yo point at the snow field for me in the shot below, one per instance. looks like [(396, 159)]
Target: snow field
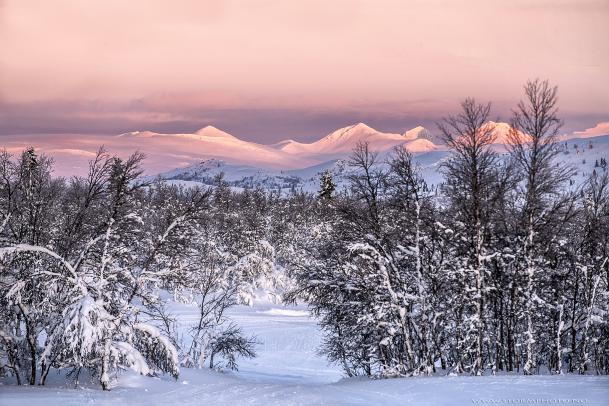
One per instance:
[(288, 371)]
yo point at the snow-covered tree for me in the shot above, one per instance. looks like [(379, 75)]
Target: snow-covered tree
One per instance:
[(84, 265), (534, 147), (326, 185), (471, 184)]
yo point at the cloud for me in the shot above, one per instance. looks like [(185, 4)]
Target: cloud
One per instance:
[(172, 113), (267, 70), (71, 151), (274, 54), (597, 130)]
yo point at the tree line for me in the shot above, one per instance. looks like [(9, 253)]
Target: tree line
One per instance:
[(505, 269)]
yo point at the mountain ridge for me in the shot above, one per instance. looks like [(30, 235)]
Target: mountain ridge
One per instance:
[(210, 142)]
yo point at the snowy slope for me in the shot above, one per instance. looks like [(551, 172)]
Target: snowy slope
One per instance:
[(584, 153), (289, 372), (305, 179), (238, 176)]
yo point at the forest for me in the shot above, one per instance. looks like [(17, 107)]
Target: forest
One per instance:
[(503, 268)]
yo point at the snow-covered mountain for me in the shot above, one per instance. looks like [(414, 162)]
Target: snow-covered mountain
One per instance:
[(423, 133), (584, 154), (212, 143), (343, 140), (291, 165), (502, 131), (286, 165)]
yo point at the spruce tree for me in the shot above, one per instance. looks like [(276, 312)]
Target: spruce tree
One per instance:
[(326, 185)]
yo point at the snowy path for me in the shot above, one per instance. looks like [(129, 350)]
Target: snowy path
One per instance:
[(287, 351), (288, 372)]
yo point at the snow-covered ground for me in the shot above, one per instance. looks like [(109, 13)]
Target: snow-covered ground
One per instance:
[(288, 371)]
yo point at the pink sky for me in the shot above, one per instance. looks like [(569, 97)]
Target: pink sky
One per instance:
[(267, 70)]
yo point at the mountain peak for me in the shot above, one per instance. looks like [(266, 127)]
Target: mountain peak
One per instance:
[(498, 124), (211, 131), (362, 126), (502, 132), (348, 132), (417, 132)]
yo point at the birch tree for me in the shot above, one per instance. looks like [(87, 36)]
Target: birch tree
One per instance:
[(533, 146)]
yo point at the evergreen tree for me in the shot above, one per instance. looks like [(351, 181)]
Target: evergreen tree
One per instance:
[(326, 185)]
